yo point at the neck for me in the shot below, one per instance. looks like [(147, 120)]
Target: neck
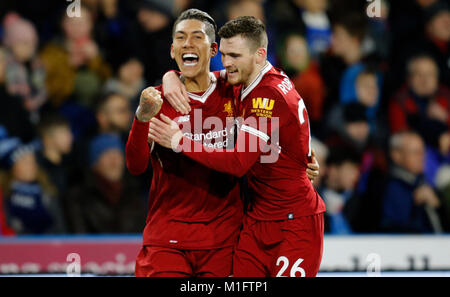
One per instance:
[(254, 73), (198, 83)]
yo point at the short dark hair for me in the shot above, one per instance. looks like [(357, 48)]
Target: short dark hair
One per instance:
[(50, 121), (104, 99), (354, 23), (354, 112), (197, 14), (248, 27), (341, 154), (420, 56)]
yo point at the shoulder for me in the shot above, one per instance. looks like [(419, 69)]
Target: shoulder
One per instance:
[(274, 86), (268, 88), (278, 81), (265, 95)]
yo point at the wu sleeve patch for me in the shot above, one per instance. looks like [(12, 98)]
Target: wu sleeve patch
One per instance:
[(262, 107)]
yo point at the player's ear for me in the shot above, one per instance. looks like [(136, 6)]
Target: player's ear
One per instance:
[(261, 55), (214, 48), (172, 54)]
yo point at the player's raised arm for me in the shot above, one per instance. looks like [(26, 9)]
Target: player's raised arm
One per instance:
[(137, 149), (235, 161), (175, 92)]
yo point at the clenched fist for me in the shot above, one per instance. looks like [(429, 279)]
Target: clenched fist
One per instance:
[(149, 104)]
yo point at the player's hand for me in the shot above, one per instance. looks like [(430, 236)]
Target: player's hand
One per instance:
[(313, 168), (165, 132), (149, 104), (175, 92)]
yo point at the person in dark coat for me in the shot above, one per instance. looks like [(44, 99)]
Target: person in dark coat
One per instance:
[(410, 205), (108, 200)]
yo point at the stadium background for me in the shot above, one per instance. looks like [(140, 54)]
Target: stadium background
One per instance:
[(70, 78)]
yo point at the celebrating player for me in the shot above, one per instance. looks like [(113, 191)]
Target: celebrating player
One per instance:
[(282, 233), (195, 213)]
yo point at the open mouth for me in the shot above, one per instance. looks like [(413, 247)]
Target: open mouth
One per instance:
[(190, 59), (231, 72)]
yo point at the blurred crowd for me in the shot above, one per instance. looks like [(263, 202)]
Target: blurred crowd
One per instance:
[(374, 75)]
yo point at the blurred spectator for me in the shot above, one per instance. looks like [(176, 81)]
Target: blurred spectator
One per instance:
[(111, 31), (406, 19), (236, 8), (410, 205), (437, 37), (442, 182), (287, 15), (421, 26), (56, 139), (437, 156), (340, 68), (304, 72), (151, 37), (45, 15), (349, 127), (352, 131), (113, 115), (367, 90), (31, 202), (422, 105), (108, 201), (317, 25), (129, 82), (75, 67), (339, 191), (347, 36), (24, 71), (13, 115)]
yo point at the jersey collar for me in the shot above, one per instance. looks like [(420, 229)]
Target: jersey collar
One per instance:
[(256, 81), (208, 92)]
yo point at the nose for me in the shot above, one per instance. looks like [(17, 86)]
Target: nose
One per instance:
[(226, 61), (187, 42)]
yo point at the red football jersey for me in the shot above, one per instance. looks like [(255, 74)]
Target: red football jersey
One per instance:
[(190, 206), (273, 148)]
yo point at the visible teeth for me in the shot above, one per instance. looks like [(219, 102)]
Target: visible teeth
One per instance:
[(189, 63), (187, 56)]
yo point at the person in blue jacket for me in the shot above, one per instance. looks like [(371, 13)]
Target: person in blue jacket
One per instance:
[(410, 205)]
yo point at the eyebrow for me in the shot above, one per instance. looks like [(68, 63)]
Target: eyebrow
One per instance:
[(193, 32), (233, 54)]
